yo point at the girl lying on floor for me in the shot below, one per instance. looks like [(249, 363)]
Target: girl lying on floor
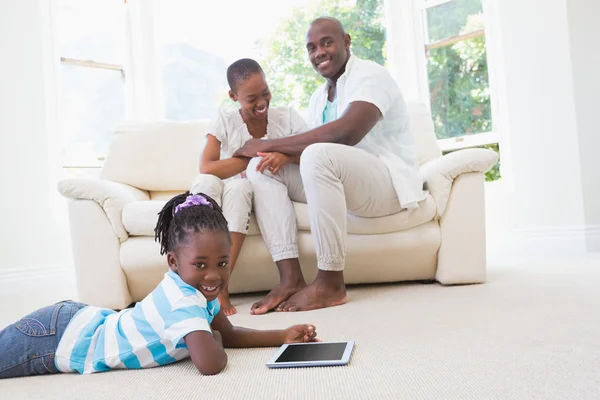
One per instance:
[(180, 317)]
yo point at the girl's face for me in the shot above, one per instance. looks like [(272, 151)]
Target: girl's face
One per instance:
[(254, 96), (203, 262)]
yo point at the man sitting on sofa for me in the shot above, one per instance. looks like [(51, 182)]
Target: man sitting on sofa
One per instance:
[(360, 159)]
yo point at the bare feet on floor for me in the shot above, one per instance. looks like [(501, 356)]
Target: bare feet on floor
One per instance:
[(280, 293), (319, 294), (225, 304)]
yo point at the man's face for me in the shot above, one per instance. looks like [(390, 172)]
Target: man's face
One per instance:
[(328, 48)]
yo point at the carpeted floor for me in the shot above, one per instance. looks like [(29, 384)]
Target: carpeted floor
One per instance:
[(531, 332)]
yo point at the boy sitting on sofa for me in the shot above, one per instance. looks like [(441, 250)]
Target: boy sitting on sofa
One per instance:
[(222, 175)]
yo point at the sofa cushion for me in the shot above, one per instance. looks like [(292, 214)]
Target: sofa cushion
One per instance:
[(155, 155), (139, 219)]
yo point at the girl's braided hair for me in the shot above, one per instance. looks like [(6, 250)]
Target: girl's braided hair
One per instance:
[(185, 214)]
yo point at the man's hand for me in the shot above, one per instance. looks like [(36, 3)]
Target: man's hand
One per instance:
[(272, 161), (250, 148), (300, 334)]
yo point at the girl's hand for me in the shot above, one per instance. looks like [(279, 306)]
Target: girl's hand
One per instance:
[(272, 161), (300, 334)]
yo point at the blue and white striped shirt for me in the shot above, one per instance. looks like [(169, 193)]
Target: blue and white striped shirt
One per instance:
[(150, 334)]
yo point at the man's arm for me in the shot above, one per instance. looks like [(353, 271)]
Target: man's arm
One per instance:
[(358, 119)]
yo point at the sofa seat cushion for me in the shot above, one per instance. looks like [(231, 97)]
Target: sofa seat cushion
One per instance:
[(140, 217)]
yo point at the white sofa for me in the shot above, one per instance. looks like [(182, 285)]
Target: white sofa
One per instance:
[(112, 218)]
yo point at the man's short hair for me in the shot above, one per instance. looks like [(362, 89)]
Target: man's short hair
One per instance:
[(241, 70)]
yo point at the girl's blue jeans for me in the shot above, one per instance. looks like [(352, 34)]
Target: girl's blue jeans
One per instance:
[(27, 347)]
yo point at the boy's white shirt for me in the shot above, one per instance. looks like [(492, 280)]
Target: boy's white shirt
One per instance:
[(390, 139), (230, 129)]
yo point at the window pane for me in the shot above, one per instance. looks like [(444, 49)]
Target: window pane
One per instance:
[(454, 18), (196, 49), (459, 89), (92, 103), (90, 35)]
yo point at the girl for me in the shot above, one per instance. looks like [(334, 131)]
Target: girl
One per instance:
[(220, 172), (180, 317)]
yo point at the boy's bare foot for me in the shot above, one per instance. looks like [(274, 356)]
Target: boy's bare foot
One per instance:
[(280, 293), (225, 304), (327, 290)]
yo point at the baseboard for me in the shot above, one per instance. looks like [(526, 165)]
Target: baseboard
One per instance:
[(44, 274), (553, 240)]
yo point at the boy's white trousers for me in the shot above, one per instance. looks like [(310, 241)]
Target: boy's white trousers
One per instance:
[(333, 180)]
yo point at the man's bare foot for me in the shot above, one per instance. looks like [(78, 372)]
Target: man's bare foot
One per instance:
[(225, 304), (327, 290), (280, 293)]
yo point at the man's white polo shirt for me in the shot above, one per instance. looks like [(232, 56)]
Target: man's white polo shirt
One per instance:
[(390, 139)]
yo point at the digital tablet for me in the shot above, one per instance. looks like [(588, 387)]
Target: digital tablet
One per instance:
[(314, 354)]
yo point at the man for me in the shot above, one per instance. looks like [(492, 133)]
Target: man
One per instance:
[(359, 158)]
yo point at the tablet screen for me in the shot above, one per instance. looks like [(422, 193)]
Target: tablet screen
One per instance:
[(312, 352)]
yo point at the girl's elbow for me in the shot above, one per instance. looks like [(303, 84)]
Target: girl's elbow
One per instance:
[(212, 368), (205, 169)]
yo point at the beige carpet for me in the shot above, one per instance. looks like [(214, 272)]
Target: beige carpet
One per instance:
[(531, 332)]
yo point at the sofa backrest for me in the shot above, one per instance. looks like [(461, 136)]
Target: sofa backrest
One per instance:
[(423, 132), (164, 156), (155, 156)]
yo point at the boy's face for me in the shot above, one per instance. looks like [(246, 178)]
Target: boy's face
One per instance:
[(254, 96), (328, 48), (203, 262)]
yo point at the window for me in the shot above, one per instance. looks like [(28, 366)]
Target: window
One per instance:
[(457, 67), (89, 41), (457, 73), (167, 59), (194, 47)]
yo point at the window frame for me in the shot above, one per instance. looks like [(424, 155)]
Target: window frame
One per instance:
[(417, 8), (51, 11)]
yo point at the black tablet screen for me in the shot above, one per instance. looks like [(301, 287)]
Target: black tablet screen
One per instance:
[(312, 352)]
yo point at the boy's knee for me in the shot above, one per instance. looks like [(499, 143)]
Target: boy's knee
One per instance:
[(239, 187), (251, 172), (207, 184)]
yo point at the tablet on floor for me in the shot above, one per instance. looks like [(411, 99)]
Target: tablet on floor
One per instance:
[(314, 354)]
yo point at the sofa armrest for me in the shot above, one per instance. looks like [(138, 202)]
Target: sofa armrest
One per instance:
[(439, 174), (111, 196)]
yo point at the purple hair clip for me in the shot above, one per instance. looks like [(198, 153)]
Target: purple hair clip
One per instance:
[(193, 200)]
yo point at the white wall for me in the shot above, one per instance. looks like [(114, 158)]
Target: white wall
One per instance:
[(32, 231), (544, 78), (584, 29), (549, 92), (540, 114)]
